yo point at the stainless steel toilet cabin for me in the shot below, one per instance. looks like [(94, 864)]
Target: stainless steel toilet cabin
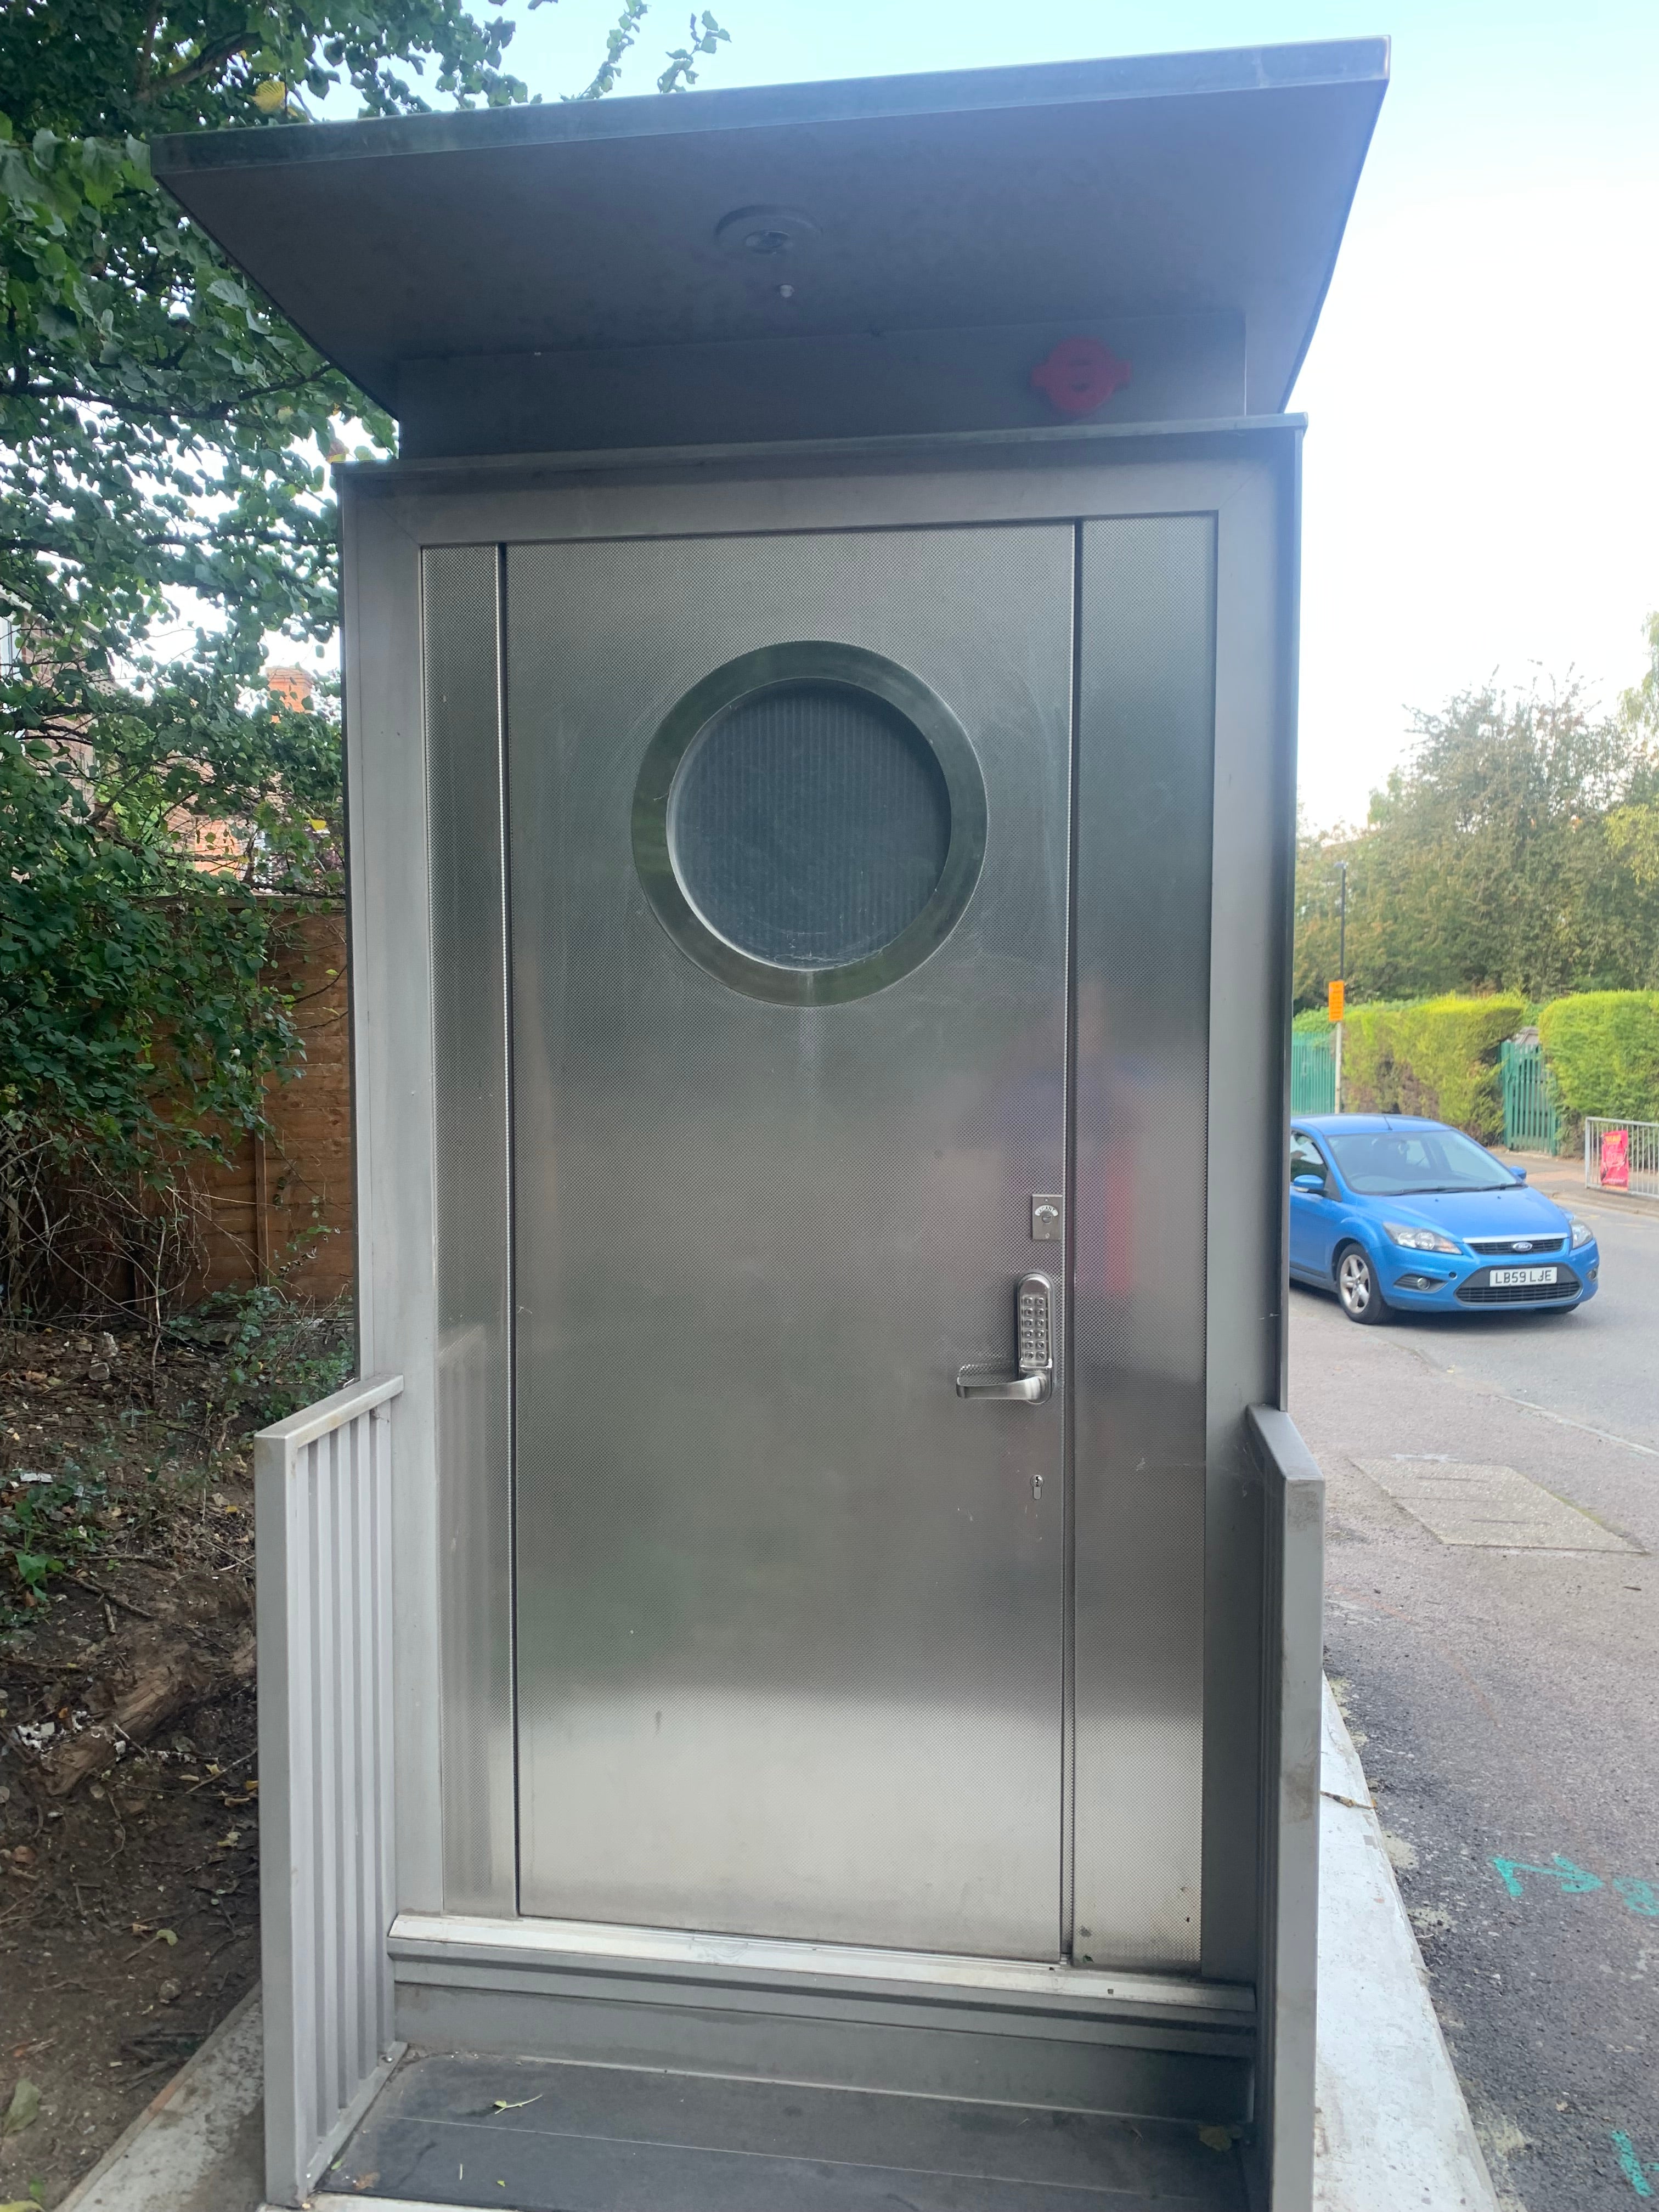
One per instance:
[(816, 1588)]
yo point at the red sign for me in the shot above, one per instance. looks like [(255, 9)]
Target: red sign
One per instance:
[(1615, 1159), (1080, 375)]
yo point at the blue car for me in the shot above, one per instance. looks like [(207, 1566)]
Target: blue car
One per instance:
[(1400, 1215)]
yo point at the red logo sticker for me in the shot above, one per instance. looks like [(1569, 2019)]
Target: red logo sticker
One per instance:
[(1080, 375)]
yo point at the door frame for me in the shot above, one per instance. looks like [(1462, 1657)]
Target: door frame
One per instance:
[(452, 1528)]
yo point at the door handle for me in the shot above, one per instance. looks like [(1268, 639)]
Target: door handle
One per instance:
[(1033, 1381)]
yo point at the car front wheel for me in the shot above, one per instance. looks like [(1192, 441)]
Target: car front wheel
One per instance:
[(1358, 1288)]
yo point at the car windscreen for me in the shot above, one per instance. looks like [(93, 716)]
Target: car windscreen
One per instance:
[(1394, 1163)]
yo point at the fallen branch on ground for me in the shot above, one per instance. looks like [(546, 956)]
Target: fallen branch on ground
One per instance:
[(161, 1678)]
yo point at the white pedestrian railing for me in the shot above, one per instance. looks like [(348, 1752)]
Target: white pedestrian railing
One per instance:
[(322, 1509), (1622, 1156)]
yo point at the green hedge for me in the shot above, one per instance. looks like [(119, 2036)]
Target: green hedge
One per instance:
[(1602, 1048), (1436, 1056)]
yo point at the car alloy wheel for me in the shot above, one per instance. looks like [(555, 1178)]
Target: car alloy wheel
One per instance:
[(1356, 1287)]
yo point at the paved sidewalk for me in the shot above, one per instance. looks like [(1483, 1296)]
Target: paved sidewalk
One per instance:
[(1563, 1180), (1393, 2133)]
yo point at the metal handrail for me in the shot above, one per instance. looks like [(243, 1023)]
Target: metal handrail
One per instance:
[(332, 1413)]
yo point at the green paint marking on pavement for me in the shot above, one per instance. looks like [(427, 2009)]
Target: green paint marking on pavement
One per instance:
[(1636, 1896), (1574, 1880), (1634, 2172)]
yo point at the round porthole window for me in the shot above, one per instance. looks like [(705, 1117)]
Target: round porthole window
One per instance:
[(808, 823)]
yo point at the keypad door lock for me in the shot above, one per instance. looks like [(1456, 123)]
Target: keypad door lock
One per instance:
[(1033, 1380)]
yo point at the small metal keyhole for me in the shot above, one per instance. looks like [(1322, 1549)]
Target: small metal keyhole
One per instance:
[(1036, 1486)]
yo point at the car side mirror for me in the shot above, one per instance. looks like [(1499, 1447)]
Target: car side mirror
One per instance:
[(1313, 1184), (1520, 1174)]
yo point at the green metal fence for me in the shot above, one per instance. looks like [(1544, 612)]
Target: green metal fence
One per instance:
[(1313, 1074), (1529, 1118)]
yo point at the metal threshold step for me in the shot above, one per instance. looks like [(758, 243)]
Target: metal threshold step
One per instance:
[(546, 2135)]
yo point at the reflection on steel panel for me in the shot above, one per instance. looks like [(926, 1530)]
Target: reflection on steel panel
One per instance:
[(1146, 728), (790, 1613), (461, 613)]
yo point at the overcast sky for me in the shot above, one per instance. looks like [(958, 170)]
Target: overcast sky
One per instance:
[(1483, 451)]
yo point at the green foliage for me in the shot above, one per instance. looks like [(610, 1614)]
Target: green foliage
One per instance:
[(1602, 1048), (271, 1356), (1439, 1057), (705, 35), (125, 976), (1634, 836), (47, 1528), (136, 1023), (164, 507), (1517, 850)]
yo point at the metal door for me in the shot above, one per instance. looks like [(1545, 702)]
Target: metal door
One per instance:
[(790, 1611)]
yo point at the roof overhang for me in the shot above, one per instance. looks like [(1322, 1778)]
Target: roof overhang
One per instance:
[(1176, 186)]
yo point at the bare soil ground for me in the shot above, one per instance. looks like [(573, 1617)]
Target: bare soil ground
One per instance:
[(129, 1796)]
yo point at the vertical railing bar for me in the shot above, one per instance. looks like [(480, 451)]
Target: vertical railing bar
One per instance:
[(381, 1430), (301, 1842), (345, 1962), (370, 1932), (348, 1781), (365, 1935), (371, 1927), (325, 1536)]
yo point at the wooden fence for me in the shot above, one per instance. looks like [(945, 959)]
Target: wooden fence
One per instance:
[(281, 1206)]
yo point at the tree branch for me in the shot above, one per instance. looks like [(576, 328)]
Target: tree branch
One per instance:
[(210, 58), (146, 50)]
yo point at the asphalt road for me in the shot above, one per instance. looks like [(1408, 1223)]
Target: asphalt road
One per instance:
[(1506, 1702)]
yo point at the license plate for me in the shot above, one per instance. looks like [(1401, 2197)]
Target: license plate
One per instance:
[(1508, 1278)]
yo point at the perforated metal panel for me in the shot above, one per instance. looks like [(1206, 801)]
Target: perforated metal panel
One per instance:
[(790, 1613), (809, 825)]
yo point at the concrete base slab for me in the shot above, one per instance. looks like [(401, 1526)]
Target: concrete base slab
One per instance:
[(1393, 2133)]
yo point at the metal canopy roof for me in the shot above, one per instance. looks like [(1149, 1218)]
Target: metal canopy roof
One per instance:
[(1171, 185)]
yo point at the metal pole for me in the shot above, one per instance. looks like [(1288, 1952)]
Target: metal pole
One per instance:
[(1342, 926), (1342, 971)]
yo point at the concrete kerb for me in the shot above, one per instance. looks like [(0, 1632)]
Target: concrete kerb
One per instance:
[(198, 2145), (1392, 2128), (1393, 2133)]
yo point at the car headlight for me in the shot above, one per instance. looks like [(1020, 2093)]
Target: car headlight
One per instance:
[(1420, 1240), (1582, 1234)]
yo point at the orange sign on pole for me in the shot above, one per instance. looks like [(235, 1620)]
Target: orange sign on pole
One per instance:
[(1335, 1008)]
